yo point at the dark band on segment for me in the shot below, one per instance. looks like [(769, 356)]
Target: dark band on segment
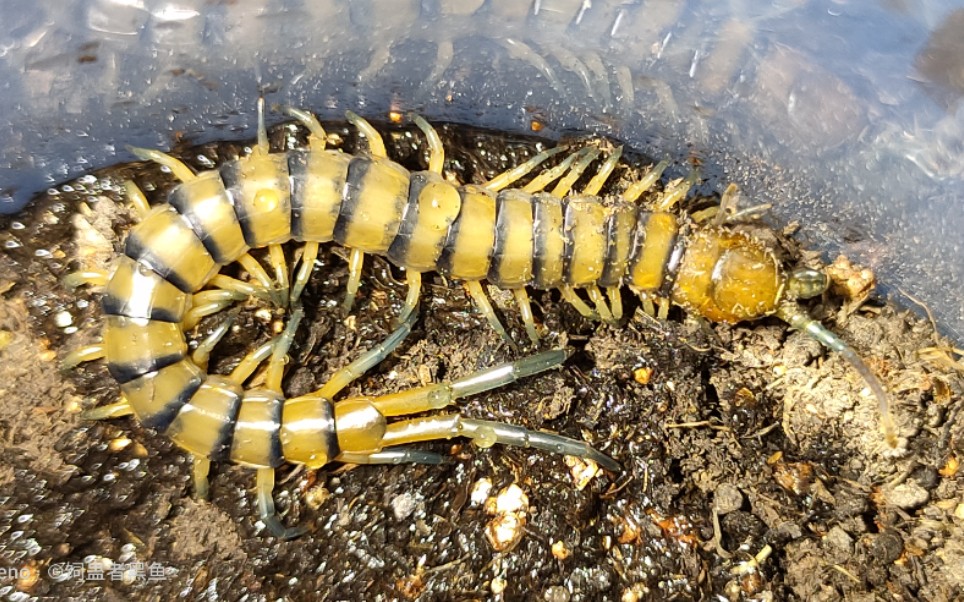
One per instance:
[(398, 251), (157, 397), (620, 234)]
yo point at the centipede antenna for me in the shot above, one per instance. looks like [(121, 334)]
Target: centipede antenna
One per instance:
[(794, 315)]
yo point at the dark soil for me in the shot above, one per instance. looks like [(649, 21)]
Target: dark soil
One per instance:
[(752, 463)]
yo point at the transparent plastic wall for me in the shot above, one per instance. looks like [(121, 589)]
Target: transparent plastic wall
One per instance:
[(846, 115)]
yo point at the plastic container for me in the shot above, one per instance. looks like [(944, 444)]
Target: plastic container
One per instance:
[(846, 116)]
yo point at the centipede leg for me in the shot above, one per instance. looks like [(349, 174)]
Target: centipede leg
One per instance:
[(279, 353), (525, 308), (564, 186), (207, 303), (481, 300), (247, 289), (202, 355), (177, 168), (550, 175), (615, 301), (393, 456), (200, 470), (596, 296), (280, 264), (436, 158), (355, 263), (637, 189), (308, 257), (605, 170), (318, 138), (250, 362), (663, 305), (86, 277), (508, 177), (136, 196), (676, 191), (376, 146), (569, 294), (414, 280), (257, 272), (344, 376), (113, 410), (266, 509), (88, 353)]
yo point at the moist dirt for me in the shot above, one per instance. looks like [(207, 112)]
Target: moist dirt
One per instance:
[(753, 467)]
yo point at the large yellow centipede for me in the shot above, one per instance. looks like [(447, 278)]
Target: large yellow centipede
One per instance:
[(169, 278)]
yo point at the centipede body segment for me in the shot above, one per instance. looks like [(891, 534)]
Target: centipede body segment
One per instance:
[(586, 245)]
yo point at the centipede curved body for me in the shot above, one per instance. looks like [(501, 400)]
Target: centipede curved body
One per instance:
[(511, 237)]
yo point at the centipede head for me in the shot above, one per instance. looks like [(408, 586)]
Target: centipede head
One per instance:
[(728, 276)]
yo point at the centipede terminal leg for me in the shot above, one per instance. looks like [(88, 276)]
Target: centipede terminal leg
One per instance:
[(393, 456), (486, 433), (440, 395)]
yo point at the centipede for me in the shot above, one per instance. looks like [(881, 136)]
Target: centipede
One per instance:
[(546, 234)]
